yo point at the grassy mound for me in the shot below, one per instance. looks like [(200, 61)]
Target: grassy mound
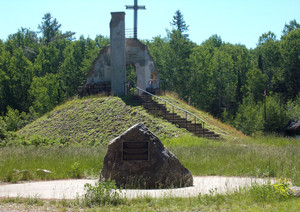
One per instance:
[(95, 120), (99, 119)]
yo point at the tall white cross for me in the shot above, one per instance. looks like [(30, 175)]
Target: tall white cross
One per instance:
[(135, 7)]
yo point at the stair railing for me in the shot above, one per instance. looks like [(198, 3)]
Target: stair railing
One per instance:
[(173, 107)]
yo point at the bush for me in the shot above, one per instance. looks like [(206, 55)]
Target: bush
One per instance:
[(249, 118), (282, 188), (3, 131), (76, 173), (268, 192), (293, 109), (276, 118), (14, 120), (103, 193)]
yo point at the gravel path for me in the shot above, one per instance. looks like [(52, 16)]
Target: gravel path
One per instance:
[(71, 189)]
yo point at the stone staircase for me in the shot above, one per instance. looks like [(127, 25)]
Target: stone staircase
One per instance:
[(160, 109)]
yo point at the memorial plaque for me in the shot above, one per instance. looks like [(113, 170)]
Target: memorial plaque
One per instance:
[(135, 150)]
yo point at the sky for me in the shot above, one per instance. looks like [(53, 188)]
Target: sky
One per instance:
[(236, 21)]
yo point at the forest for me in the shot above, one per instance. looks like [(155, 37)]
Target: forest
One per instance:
[(255, 90)]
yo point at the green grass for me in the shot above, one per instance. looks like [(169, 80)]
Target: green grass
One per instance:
[(96, 120), (257, 199), (61, 161), (253, 157), (244, 158)]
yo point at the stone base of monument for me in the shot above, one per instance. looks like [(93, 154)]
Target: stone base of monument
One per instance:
[(138, 159)]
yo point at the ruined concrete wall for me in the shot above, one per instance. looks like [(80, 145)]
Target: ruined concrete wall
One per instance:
[(100, 71), (137, 54)]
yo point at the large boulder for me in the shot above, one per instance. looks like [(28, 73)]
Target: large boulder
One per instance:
[(138, 159)]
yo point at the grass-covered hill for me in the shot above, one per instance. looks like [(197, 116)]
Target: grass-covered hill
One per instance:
[(99, 119)]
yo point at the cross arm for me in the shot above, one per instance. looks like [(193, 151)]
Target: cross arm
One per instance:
[(135, 7)]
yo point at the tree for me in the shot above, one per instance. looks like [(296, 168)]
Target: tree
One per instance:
[(269, 59), (15, 79), (50, 30), (290, 27), (180, 49), (44, 93), (47, 61), (256, 82), (290, 51), (269, 36), (213, 41), (179, 23), (249, 118), (27, 40)]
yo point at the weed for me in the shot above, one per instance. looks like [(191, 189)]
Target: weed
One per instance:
[(76, 173), (103, 193), (262, 193), (12, 176), (212, 198), (33, 201), (282, 188)]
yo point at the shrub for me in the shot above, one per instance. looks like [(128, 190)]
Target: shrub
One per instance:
[(76, 173), (282, 188), (276, 118), (268, 192), (293, 109), (103, 193), (249, 118)]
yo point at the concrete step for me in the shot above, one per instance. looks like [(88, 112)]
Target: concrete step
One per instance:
[(154, 107)]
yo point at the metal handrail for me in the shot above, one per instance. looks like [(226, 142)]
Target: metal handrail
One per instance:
[(174, 106)]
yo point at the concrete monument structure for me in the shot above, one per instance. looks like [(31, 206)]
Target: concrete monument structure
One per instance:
[(108, 72)]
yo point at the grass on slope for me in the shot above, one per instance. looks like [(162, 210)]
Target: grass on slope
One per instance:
[(99, 119), (95, 120)]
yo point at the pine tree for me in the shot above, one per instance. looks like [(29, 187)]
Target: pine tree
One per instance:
[(179, 23)]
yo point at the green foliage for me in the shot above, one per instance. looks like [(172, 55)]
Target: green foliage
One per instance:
[(179, 23), (290, 50), (276, 118), (42, 73), (282, 188), (263, 193), (14, 120), (3, 130), (252, 117), (102, 194), (293, 25), (249, 118), (293, 109), (18, 175), (50, 30), (44, 93), (76, 172), (269, 193)]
